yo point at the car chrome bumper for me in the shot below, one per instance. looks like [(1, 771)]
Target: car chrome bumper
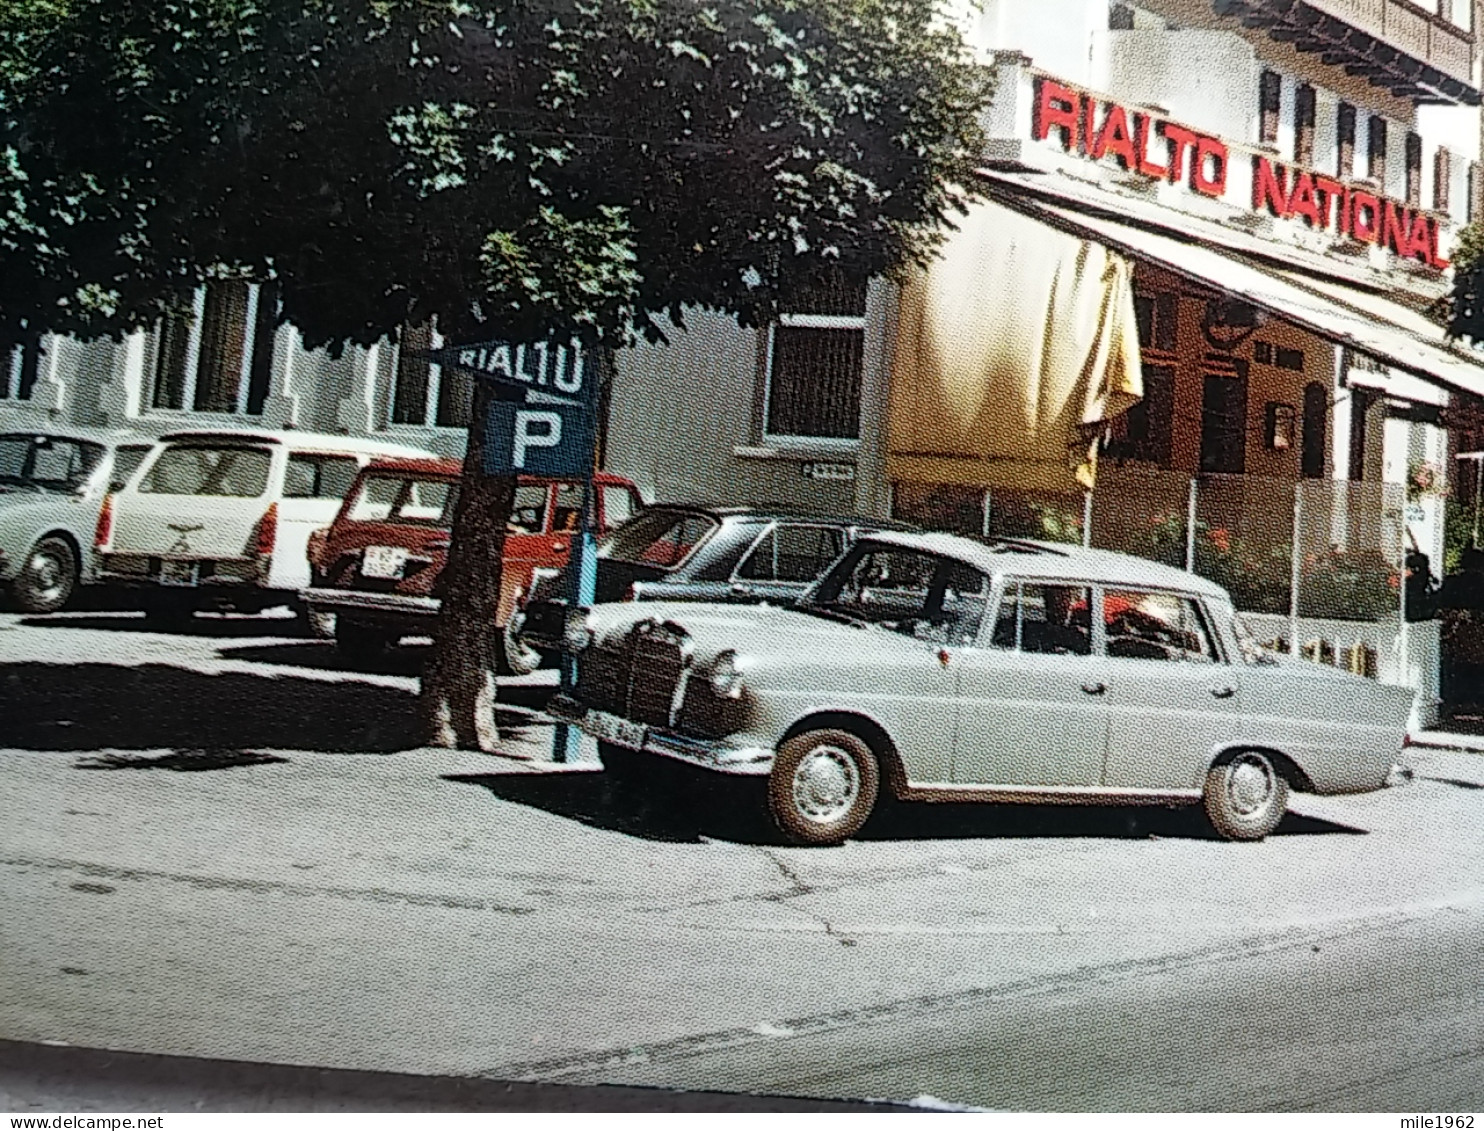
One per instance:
[(710, 754), (341, 600)]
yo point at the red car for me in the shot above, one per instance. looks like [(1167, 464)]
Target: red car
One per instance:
[(376, 569)]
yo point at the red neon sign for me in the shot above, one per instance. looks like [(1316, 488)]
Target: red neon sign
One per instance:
[(1163, 150)]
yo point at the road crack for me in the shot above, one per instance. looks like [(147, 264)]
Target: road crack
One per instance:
[(798, 887)]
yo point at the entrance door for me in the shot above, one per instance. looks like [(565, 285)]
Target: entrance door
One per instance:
[(1033, 706), (1224, 422)]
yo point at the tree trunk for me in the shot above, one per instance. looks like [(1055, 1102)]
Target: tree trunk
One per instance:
[(458, 684)]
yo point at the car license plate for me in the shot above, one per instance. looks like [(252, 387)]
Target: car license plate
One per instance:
[(383, 561), (611, 728), (180, 573)]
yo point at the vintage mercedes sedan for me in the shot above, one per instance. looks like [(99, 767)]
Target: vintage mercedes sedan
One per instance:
[(943, 668)]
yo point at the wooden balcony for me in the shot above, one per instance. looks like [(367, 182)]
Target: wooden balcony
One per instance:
[(1408, 48)]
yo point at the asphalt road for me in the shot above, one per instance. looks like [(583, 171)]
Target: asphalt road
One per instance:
[(225, 845)]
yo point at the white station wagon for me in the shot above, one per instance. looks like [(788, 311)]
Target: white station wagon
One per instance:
[(946, 669), (222, 519)]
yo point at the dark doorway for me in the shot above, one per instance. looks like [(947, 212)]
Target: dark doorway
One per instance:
[(1224, 422), (1316, 430)]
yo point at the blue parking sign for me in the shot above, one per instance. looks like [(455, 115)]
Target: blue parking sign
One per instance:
[(551, 439)]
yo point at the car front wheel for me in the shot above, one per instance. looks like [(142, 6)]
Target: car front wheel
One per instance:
[(1245, 796), (823, 786), (48, 578)]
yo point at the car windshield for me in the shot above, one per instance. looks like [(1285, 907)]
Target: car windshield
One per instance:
[(404, 499), (658, 537), (45, 463), (908, 592), (219, 470)]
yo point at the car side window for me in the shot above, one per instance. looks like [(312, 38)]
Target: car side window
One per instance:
[(566, 514), (1036, 617), (311, 476), (792, 553), (618, 506), (1155, 626), (528, 515), (125, 462)]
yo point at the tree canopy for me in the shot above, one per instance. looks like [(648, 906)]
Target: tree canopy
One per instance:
[(522, 169)]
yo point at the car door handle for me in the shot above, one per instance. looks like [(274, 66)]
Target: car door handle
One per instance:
[(1223, 692), (741, 590), (1094, 688), (559, 547)]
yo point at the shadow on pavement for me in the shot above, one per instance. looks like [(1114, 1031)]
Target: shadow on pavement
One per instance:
[(89, 707), (183, 761), (683, 809), (208, 624), (322, 655), (1457, 783), (669, 814), (45, 1079)]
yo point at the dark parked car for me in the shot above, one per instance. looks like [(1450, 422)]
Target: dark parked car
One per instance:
[(685, 552)]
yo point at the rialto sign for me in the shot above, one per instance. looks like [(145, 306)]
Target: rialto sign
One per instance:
[(1160, 149)]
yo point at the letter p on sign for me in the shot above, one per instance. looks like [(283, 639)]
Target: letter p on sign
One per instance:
[(534, 428)]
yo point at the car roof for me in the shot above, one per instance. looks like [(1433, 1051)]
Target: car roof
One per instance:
[(784, 514), (449, 465), (1029, 558), (109, 436), (293, 437)]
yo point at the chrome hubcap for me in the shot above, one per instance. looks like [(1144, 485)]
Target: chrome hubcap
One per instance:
[(46, 572), (826, 784), (1250, 785)]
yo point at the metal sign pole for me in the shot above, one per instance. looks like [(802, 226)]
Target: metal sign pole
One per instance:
[(582, 586)]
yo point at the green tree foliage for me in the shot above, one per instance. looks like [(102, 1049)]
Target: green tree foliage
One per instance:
[(519, 170), (1465, 308), (523, 170)]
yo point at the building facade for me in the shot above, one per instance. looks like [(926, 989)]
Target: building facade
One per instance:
[(1284, 180)]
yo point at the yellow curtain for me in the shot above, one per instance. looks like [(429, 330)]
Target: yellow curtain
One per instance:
[(1012, 350)]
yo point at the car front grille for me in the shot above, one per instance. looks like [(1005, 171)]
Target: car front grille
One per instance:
[(660, 658), (640, 679)]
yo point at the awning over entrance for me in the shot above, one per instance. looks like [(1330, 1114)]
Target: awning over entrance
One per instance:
[(1369, 323), (1011, 351)]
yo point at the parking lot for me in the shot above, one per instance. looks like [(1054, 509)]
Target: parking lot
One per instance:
[(227, 843)]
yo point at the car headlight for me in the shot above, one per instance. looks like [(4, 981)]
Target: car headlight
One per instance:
[(726, 676), (577, 634)]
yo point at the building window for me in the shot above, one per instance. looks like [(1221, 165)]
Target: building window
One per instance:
[(220, 358), (1375, 150), (1316, 431), (814, 364), (1278, 426), (19, 370), (1143, 432), (1269, 99), (1120, 17), (422, 390), (1414, 170), (1304, 112), (1360, 408), (1442, 176), (1156, 316), (1345, 141)]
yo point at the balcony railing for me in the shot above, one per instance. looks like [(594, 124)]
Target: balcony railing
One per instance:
[(1411, 50)]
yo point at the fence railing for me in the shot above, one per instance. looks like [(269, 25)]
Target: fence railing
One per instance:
[(1314, 549)]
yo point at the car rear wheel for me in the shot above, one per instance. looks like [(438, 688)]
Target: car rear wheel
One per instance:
[(823, 786), (1245, 796), (48, 578), (360, 640)]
